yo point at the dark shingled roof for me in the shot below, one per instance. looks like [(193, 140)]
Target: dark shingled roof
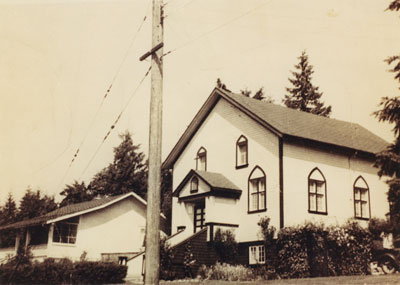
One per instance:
[(63, 211), (309, 126), (216, 180), (285, 122)]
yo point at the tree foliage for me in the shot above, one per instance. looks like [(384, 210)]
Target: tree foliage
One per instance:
[(258, 95), (8, 211), (8, 215), (34, 204), (76, 193), (388, 161), (127, 172), (304, 96)]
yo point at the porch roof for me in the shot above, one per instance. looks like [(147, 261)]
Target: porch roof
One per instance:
[(218, 183)]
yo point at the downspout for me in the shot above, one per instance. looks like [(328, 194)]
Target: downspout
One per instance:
[(281, 205)]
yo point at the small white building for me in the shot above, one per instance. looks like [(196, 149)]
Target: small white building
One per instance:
[(242, 159), (109, 229)]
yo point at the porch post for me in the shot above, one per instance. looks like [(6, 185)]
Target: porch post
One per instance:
[(17, 240), (28, 238), (50, 236)]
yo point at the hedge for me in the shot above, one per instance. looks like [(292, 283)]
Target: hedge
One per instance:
[(62, 271), (313, 250)]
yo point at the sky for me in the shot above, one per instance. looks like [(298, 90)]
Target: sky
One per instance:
[(58, 59)]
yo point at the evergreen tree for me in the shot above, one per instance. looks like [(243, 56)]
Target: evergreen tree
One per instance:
[(75, 193), (304, 96), (8, 211), (128, 171), (34, 204), (8, 215), (388, 161), (259, 95)]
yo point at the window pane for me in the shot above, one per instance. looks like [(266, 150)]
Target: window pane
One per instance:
[(254, 186), (312, 202), (254, 201), (358, 208), (262, 200), (364, 194), (320, 187), (357, 193), (261, 186), (320, 203), (364, 209), (312, 186)]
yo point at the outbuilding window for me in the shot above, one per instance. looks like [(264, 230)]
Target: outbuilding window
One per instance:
[(361, 199), (257, 191), (317, 192), (65, 231), (241, 152)]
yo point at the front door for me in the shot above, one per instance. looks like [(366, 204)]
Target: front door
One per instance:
[(199, 216)]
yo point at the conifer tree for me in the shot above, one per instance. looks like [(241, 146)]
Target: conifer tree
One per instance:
[(127, 173), (388, 161), (8, 215), (304, 96)]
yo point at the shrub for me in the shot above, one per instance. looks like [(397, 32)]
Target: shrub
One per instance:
[(350, 249), (378, 226), (292, 258), (63, 271), (312, 250), (166, 258), (226, 246), (226, 272)]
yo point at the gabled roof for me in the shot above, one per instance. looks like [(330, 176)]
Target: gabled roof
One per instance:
[(218, 183), (73, 210), (285, 122)]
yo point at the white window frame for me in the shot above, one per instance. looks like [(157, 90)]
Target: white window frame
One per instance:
[(58, 237), (257, 254)]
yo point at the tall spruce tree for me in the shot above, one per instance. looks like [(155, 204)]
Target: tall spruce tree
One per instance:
[(34, 204), (304, 96), (127, 173), (8, 215), (388, 161)]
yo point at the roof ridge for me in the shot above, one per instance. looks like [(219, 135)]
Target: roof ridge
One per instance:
[(287, 108)]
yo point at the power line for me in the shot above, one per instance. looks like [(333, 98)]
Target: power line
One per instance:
[(177, 9), (216, 29), (107, 91), (115, 122)]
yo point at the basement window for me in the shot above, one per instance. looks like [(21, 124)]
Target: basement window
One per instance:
[(256, 254)]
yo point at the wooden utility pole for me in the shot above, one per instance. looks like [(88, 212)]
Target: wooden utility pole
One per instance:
[(152, 256)]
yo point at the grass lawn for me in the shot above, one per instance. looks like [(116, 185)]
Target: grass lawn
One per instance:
[(368, 279)]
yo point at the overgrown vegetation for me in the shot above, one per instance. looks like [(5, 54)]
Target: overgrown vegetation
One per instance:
[(226, 246), (388, 161), (62, 271), (313, 250), (227, 272)]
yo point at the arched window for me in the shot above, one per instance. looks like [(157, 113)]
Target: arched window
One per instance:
[(257, 190), (317, 202), (361, 199), (201, 159), (194, 185), (241, 152)]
